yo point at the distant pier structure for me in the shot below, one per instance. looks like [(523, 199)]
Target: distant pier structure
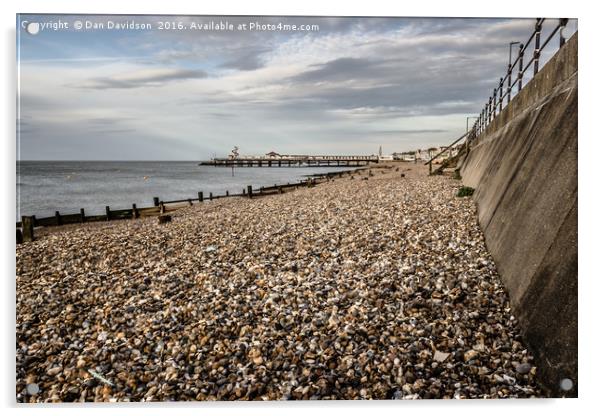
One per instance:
[(275, 160)]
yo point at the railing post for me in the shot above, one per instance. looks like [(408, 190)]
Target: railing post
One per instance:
[(536, 51), (509, 89), (501, 89), (521, 54), (27, 225), (562, 23), (494, 102)]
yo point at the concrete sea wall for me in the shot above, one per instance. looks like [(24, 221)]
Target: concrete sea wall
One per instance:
[(524, 171)]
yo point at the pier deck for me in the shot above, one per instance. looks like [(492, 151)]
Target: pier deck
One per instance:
[(292, 161)]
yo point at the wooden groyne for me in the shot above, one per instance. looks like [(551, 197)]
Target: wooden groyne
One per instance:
[(291, 161), (25, 227)]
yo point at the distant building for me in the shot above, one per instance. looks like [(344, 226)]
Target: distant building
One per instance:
[(273, 154)]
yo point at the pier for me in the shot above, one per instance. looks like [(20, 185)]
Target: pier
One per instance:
[(279, 161)]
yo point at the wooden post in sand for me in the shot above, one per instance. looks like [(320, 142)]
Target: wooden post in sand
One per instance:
[(108, 213), (82, 215), (135, 213), (156, 201), (200, 196), (161, 207), (27, 225), (250, 191), (59, 220)]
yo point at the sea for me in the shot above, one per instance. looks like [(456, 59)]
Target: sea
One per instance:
[(44, 187)]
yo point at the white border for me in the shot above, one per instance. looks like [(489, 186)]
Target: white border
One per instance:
[(590, 152)]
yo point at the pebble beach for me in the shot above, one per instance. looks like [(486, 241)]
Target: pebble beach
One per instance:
[(376, 285)]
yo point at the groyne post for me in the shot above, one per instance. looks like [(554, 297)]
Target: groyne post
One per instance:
[(57, 215), (108, 213), (27, 225), (156, 201), (82, 215), (134, 211), (200, 196), (161, 207), (250, 191)]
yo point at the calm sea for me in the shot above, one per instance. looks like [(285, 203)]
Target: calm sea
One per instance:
[(46, 187)]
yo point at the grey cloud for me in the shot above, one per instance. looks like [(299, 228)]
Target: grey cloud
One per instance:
[(246, 60), (141, 79)]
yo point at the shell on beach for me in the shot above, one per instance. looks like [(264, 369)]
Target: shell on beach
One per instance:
[(354, 289)]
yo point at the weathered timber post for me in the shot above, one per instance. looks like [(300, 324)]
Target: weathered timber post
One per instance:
[(135, 213), (108, 212), (200, 197), (57, 216), (244, 191), (82, 215), (430, 168), (164, 219), (227, 193), (280, 191), (19, 236), (190, 202), (156, 201), (210, 196), (27, 226), (161, 207), (250, 191)]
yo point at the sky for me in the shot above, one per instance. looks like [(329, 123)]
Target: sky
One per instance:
[(347, 86)]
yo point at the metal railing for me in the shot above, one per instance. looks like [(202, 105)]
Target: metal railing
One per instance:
[(493, 107), (430, 162), (503, 91)]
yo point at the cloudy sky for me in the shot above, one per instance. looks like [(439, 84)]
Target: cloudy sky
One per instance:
[(351, 86)]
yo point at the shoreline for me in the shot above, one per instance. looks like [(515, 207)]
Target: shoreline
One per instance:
[(47, 225)]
